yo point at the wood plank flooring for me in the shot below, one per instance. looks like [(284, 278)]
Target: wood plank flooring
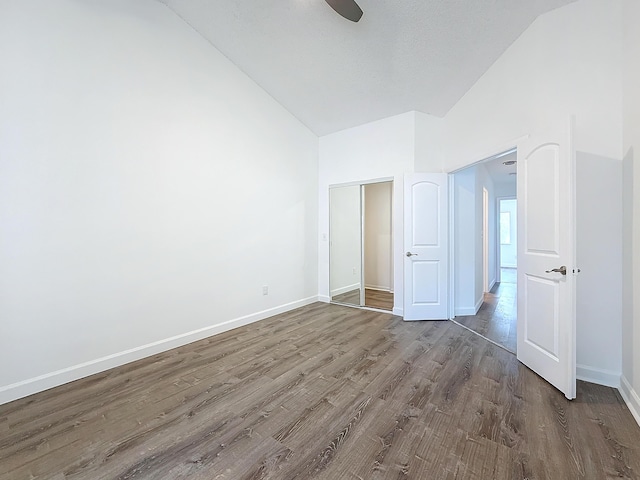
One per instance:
[(378, 299), (372, 298), (350, 298), (497, 317), (322, 392)]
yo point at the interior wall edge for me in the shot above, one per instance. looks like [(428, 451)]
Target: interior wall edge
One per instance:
[(473, 310), (479, 303), (380, 288), (631, 397), (348, 288), (24, 388), (464, 311), (608, 378)]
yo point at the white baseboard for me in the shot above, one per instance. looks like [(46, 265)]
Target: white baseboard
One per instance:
[(377, 287), (631, 398), (348, 288), (466, 311), (607, 378), (30, 386), (398, 311), (492, 283), (324, 298), (479, 303)]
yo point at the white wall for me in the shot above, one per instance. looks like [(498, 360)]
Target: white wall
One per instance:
[(567, 62), (378, 252), (631, 232), (429, 143), (509, 251), (148, 189), (502, 189), (599, 256), (468, 187), (484, 181), (377, 150), (465, 239), (346, 239)]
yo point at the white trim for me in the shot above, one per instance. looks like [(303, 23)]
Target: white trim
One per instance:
[(630, 397), (378, 288), (466, 311), (398, 311), (348, 288), (607, 378), (324, 298), (479, 303), (485, 239), (362, 182), (504, 149), (452, 258), (37, 384), (492, 284), (363, 265)]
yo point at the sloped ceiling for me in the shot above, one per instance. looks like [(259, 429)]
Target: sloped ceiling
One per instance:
[(501, 173), (333, 74)]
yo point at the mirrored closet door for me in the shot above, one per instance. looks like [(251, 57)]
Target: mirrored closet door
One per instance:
[(361, 259)]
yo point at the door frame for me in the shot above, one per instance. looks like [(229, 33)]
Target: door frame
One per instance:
[(498, 244), (362, 183), (485, 240), (503, 150)]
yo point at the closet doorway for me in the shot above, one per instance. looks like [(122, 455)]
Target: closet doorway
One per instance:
[(361, 244)]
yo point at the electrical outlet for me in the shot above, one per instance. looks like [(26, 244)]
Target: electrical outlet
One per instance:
[(265, 289)]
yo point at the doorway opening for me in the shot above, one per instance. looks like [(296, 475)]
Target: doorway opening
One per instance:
[(485, 249), (361, 245)]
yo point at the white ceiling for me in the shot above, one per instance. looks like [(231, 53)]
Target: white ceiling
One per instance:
[(499, 172), (333, 74)]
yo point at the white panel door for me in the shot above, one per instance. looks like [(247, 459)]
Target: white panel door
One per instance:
[(426, 258), (546, 257)]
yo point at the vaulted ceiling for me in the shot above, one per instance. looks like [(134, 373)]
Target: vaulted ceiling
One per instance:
[(333, 74)]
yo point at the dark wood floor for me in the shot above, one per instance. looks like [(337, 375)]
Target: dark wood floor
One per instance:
[(372, 298), (351, 297), (497, 317), (378, 299), (322, 392)]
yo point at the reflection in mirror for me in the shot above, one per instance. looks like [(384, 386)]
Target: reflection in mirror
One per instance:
[(361, 258), (346, 244), (378, 248)]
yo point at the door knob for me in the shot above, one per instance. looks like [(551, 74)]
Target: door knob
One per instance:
[(409, 254), (562, 270)]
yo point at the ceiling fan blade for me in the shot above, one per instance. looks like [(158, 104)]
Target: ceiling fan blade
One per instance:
[(349, 9)]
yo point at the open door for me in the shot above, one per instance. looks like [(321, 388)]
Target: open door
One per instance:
[(426, 268), (546, 257)]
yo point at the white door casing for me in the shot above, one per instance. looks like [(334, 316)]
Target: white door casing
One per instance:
[(546, 241), (426, 260)]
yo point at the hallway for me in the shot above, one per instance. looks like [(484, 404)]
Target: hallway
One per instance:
[(497, 317)]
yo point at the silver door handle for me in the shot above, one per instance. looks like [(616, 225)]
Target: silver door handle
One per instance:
[(409, 254), (562, 270)]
